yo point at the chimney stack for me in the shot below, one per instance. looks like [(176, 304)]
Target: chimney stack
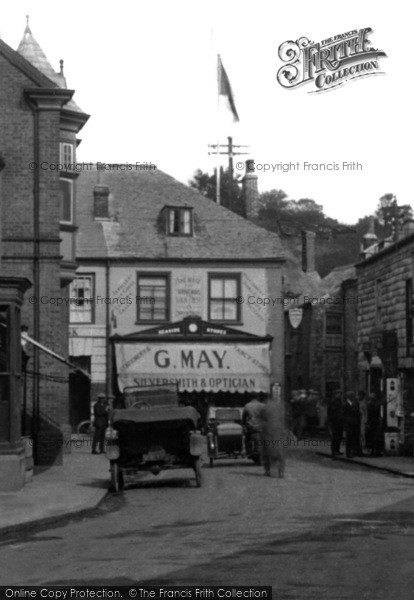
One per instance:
[(370, 237), (101, 202), (250, 192), (408, 227), (308, 251)]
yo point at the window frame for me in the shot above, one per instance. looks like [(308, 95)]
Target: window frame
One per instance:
[(62, 160), (226, 275), (158, 275), (92, 321), (332, 339), (409, 314), (72, 193), (378, 301), (180, 210), (12, 372)]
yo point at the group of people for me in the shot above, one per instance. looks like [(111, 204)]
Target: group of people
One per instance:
[(307, 413), (361, 421)]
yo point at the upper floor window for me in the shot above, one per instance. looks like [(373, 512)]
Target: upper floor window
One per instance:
[(334, 337), (379, 306), (66, 201), (179, 221), (223, 291), (81, 299), (67, 155), (409, 311), (153, 297)]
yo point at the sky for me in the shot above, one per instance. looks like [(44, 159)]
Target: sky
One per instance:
[(146, 73)]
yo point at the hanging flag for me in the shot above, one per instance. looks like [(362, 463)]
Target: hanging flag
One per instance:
[(224, 88)]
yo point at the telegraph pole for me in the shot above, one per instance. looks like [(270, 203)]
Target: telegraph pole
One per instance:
[(229, 150)]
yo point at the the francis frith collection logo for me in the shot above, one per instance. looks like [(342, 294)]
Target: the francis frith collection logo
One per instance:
[(329, 63)]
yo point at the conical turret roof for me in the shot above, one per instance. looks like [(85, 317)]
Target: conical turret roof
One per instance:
[(30, 49)]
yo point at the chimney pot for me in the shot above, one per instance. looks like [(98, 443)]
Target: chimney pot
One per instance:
[(370, 237), (408, 227)]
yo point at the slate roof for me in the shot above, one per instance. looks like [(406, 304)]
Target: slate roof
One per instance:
[(30, 49), (311, 284), (136, 228), (331, 284)]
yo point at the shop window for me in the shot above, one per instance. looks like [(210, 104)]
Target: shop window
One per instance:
[(223, 291), (66, 201), (179, 221), (333, 331), (81, 299), (153, 297), (10, 361)]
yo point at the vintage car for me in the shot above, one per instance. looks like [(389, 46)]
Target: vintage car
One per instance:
[(153, 433), (225, 433)]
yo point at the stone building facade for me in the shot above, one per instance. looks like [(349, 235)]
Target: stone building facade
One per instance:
[(386, 329), (321, 349)]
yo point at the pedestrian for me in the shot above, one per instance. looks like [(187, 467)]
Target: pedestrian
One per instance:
[(311, 412), (252, 423), (298, 404), (363, 410), (352, 425), (374, 435), (100, 423), (274, 438), (336, 422)]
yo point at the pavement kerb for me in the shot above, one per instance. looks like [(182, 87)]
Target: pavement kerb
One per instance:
[(355, 461), (55, 519)]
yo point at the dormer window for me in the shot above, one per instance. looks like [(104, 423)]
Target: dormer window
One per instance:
[(179, 220)]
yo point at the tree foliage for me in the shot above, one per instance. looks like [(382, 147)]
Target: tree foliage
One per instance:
[(336, 243), (207, 184), (392, 215)]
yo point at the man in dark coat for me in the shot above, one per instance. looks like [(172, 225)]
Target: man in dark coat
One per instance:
[(352, 424), (274, 438), (374, 432), (336, 422), (100, 423), (252, 421)]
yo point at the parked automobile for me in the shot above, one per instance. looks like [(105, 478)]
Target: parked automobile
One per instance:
[(225, 433), (153, 433)]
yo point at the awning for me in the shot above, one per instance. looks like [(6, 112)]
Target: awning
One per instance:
[(210, 367), (27, 338)]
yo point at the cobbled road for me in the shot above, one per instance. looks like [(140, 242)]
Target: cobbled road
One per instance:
[(328, 530)]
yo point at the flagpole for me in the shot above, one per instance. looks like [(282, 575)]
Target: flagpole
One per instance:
[(218, 127)]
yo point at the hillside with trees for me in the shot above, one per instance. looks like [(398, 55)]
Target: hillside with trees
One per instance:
[(336, 244)]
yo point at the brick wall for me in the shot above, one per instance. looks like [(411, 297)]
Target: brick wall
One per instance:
[(18, 179)]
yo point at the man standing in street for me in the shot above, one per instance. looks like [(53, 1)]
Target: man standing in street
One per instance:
[(336, 423), (352, 423), (100, 423), (252, 422)]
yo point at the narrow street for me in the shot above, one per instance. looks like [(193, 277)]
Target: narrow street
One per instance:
[(328, 530)]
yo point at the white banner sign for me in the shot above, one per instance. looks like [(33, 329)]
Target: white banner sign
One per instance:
[(196, 367)]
